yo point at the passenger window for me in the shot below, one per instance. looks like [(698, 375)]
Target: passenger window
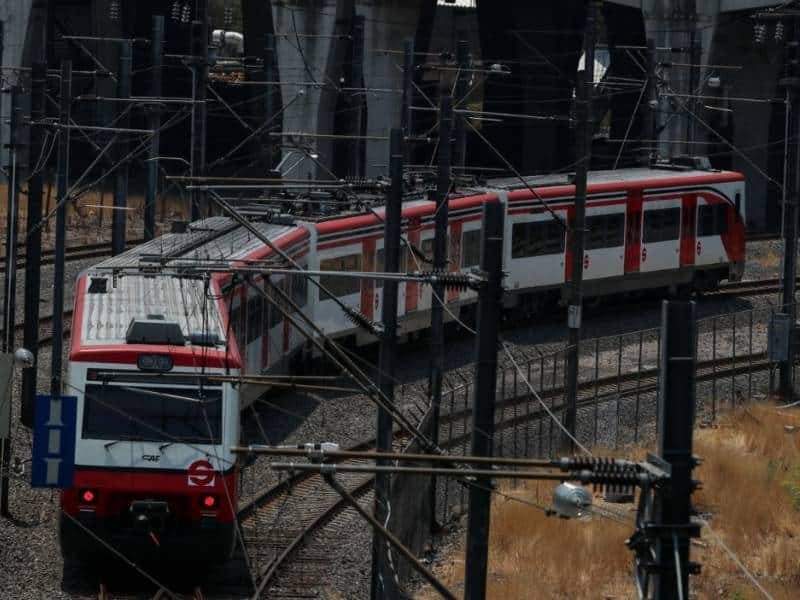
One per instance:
[(255, 314), (605, 231), (661, 225), (380, 262), (537, 239), (712, 219), (471, 249), (340, 286)]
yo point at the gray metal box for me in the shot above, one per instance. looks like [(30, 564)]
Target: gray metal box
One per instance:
[(780, 333)]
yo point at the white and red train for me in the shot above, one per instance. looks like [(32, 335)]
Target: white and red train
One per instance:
[(154, 474)]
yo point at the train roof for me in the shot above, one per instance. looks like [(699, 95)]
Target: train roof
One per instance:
[(214, 238), (634, 174), (106, 315)]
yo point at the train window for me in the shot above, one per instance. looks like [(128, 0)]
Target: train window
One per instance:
[(340, 286), (661, 225), (605, 231), (300, 290), (113, 412), (712, 219), (379, 268), (536, 239), (275, 313), (471, 249), (255, 316)]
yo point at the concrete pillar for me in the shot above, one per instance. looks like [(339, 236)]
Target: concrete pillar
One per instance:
[(15, 15), (387, 24)]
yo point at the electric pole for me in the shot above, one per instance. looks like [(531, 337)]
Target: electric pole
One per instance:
[(156, 75), (119, 213), (583, 144), (62, 195), (408, 92), (440, 266), (199, 52), (792, 84), (483, 403), (12, 217), (33, 247), (383, 578), (649, 125), (10, 286), (269, 100), (462, 80), (672, 507)]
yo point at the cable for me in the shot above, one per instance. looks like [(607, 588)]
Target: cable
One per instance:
[(539, 399), (735, 558)]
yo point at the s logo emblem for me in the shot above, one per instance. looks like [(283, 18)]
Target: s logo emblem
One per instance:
[(200, 474)]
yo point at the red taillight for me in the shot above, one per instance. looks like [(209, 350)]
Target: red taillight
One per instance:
[(209, 501), (88, 496)]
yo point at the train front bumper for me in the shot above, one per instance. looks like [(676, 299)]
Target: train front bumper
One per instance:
[(207, 540)]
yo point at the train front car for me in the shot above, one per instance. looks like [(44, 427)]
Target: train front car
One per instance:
[(153, 477)]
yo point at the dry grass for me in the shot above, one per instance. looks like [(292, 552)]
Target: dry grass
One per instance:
[(771, 258), (751, 486)]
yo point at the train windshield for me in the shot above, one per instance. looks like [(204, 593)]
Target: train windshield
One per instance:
[(162, 414)]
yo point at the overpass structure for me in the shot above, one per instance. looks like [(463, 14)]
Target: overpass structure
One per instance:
[(337, 72)]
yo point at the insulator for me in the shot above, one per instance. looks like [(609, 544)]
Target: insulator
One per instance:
[(228, 16), (779, 31), (176, 10), (458, 281), (760, 31), (114, 10), (361, 320), (186, 14)]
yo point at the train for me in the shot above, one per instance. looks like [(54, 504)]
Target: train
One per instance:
[(157, 356)]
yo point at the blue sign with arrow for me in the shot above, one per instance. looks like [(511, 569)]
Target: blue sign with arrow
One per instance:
[(54, 441)]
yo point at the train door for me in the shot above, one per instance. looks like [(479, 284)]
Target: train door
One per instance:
[(346, 257), (661, 227), (633, 232), (688, 230), (412, 289), (368, 285), (401, 288), (426, 245), (454, 254)]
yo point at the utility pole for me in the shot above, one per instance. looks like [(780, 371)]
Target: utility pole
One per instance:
[(65, 103), (440, 266), (10, 287), (383, 577), (358, 154), (489, 308), (672, 506), (199, 52), (12, 217), (649, 127), (156, 74), (119, 214), (462, 79), (790, 229), (408, 92), (33, 247), (269, 100), (583, 144)]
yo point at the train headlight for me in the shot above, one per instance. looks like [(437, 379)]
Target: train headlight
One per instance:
[(88, 496), (208, 501), (160, 363)]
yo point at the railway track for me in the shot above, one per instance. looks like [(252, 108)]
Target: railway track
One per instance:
[(287, 571), (72, 253)]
